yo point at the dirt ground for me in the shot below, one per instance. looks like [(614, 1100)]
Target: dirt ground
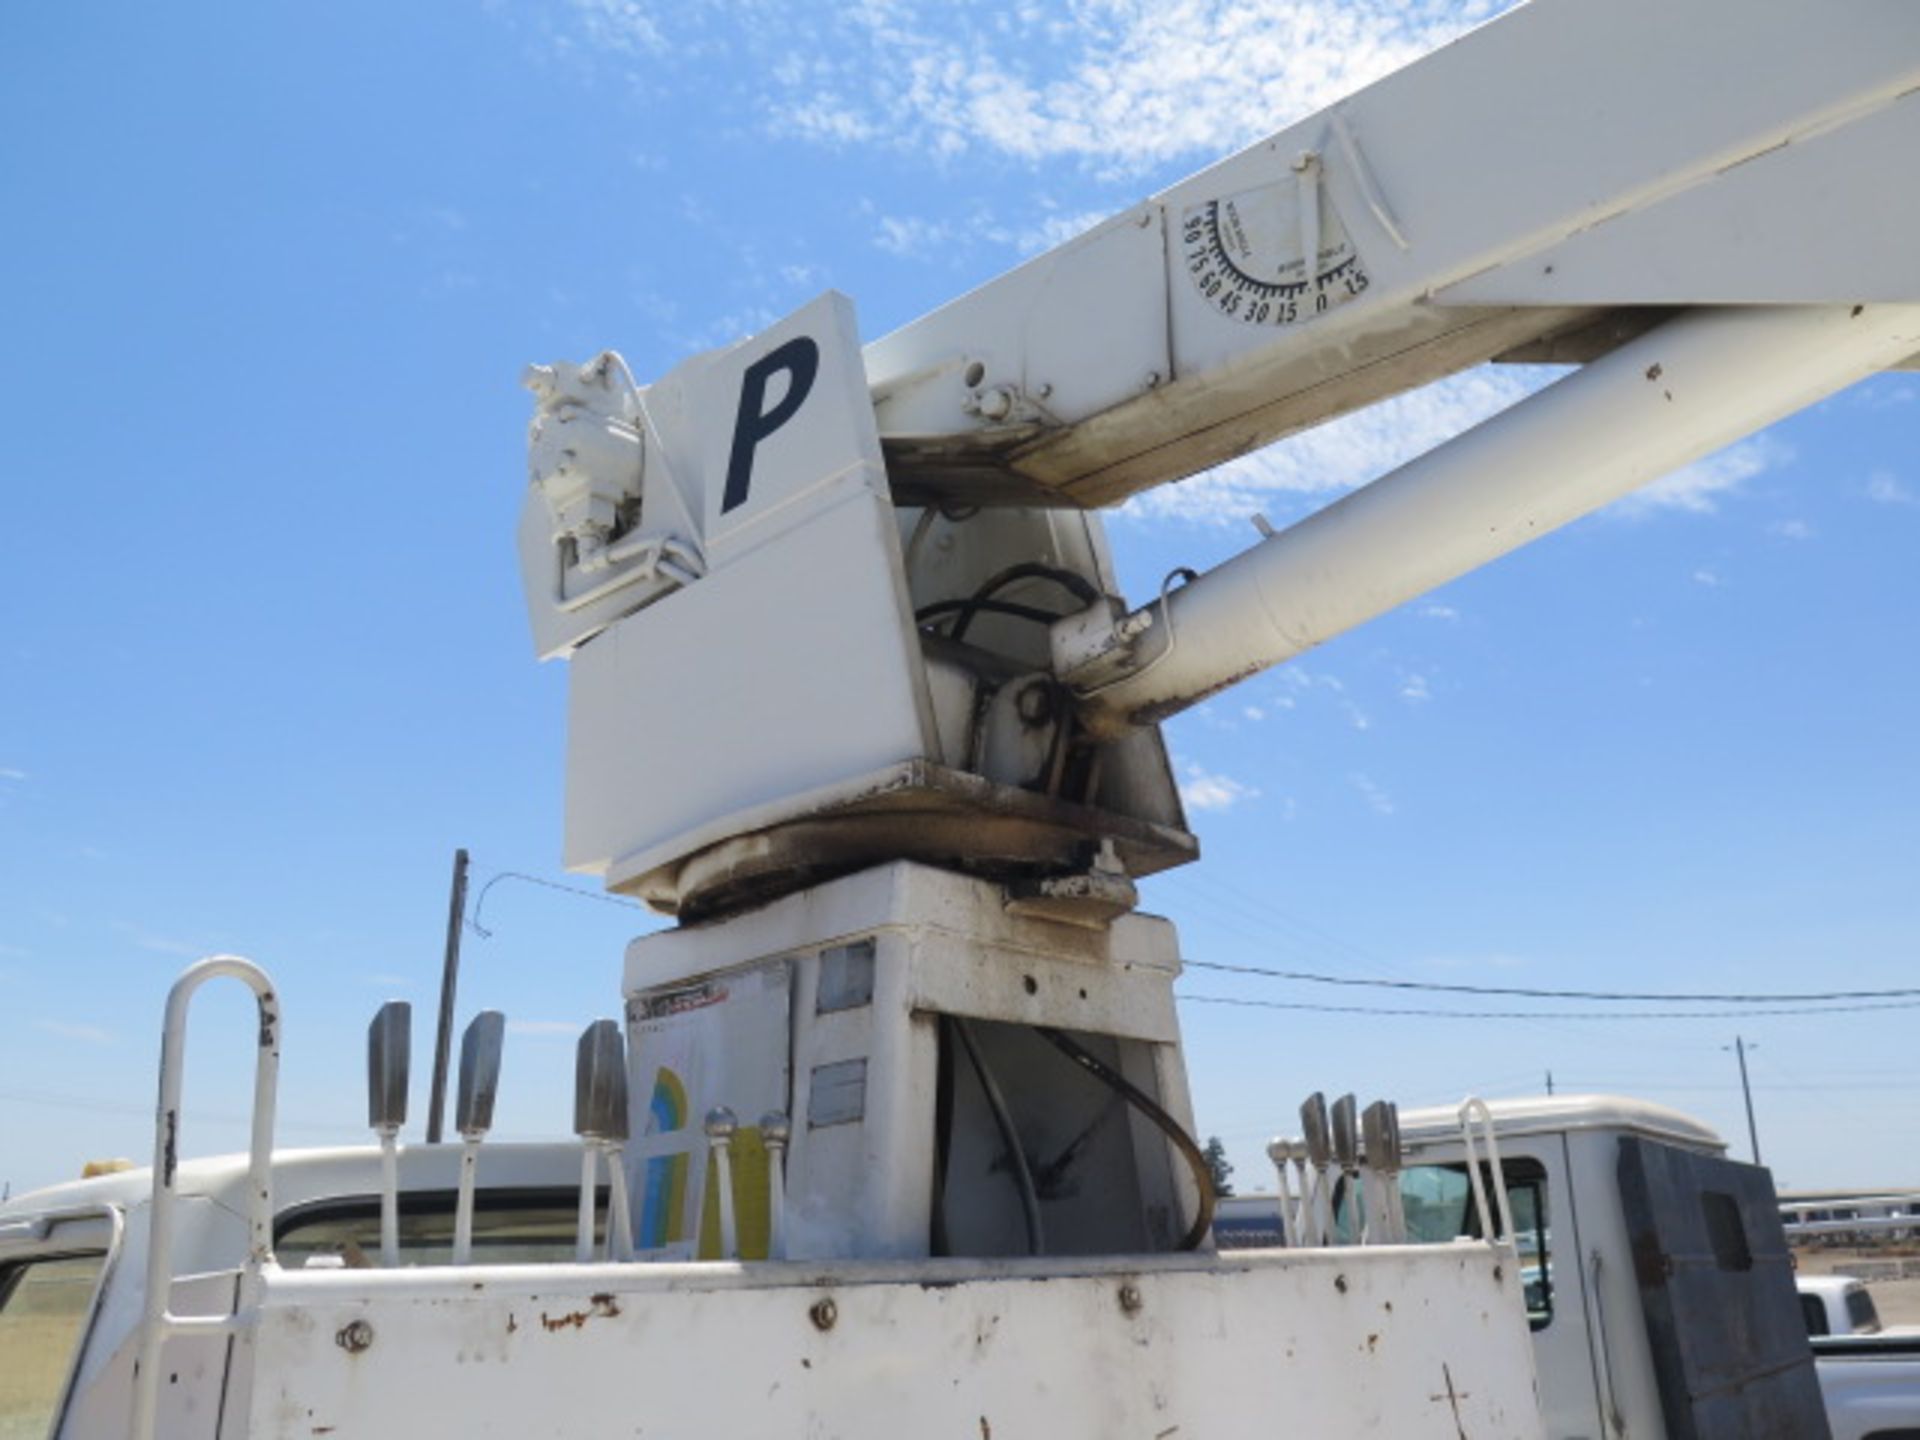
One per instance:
[(1898, 1301)]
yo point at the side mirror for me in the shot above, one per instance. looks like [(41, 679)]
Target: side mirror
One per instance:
[(1313, 1125), (600, 1084), (389, 1052), (479, 1073), (1381, 1130), (1346, 1132)]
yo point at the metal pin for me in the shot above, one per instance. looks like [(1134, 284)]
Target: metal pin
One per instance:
[(1280, 1152), (774, 1131), (720, 1126)]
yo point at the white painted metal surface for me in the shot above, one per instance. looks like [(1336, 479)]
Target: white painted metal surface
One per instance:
[(1676, 393), (673, 721), (1414, 1342), (1565, 1114), (159, 1321), (779, 688), (859, 1170), (1566, 156)]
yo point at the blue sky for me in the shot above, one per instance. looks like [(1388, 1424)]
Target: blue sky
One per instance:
[(273, 273)]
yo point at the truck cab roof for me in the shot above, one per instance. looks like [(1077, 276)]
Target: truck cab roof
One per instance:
[(302, 1177), (1543, 1114)]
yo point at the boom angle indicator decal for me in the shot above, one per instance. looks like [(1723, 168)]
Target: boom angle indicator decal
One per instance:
[(1246, 256)]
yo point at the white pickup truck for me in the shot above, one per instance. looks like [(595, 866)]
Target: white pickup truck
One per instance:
[(1837, 1305), (1659, 1286)]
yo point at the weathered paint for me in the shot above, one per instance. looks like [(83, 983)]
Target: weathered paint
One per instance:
[(1408, 1341)]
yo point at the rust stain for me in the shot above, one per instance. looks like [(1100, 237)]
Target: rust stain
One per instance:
[(1373, 1342), (986, 1430), (601, 1306), (512, 1324)]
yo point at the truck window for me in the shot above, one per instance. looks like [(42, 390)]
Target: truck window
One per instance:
[(1814, 1310), (43, 1309), (510, 1227), (1862, 1318), (1439, 1202)]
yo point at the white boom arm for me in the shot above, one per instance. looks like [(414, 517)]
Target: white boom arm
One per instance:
[(867, 579), (1682, 390), (1541, 188)]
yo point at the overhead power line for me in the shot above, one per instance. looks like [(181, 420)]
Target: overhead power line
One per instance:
[(480, 902), (1437, 1014), (1671, 997)]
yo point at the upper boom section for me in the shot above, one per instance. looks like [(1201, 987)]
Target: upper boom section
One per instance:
[(1540, 189), (789, 662)]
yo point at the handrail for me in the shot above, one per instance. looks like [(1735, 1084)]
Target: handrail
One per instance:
[(156, 1321), (1472, 1110), (1615, 1420)]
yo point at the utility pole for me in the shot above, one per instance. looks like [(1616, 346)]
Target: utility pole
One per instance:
[(1549, 1082), (449, 980), (1740, 1048)]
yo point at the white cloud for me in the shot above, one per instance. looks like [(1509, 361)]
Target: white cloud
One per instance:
[(1344, 453), (1699, 488), (1885, 489), (90, 1034), (1056, 230), (1414, 690), (1118, 85), (1253, 712), (1378, 800), (1791, 529), (7, 772), (1709, 578), (623, 27), (1121, 84), (1433, 611), (908, 235), (1882, 393), (1204, 790)]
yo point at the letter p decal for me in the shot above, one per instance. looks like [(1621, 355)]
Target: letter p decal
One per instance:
[(800, 359)]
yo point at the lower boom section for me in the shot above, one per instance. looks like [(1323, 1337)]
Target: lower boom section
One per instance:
[(1408, 1342)]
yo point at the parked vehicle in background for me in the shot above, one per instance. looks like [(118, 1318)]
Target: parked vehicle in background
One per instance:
[(1837, 1305), (1659, 1287)]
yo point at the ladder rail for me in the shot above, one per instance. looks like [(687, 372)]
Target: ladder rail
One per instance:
[(157, 1322)]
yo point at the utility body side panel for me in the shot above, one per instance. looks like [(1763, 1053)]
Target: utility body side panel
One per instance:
[(1413, 1342)]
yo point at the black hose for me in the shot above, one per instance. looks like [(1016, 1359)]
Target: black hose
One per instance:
[(1148, 1106), (996, 607), (1003, 1119), (1078, 586)]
